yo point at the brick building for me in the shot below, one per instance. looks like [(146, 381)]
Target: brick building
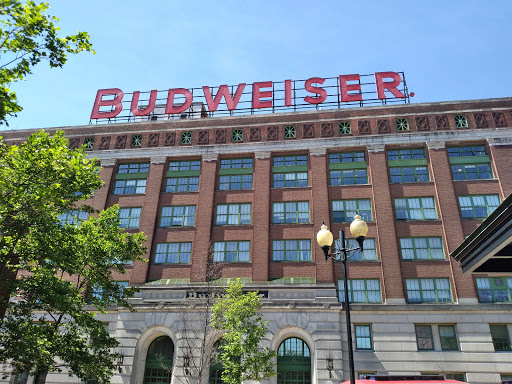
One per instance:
[(251, 192)]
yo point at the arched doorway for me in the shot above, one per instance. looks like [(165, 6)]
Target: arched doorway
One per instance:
[(293, 362), (158, 367), (216, 367)]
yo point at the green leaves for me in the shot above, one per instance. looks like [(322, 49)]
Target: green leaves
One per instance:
[(240, 353), (48, 269), (27, 36)]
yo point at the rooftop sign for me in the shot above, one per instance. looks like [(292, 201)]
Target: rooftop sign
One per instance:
[(112, 105)]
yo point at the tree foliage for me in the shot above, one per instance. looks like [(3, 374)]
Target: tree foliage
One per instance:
[(28, 36), (240, 352), (49, 268)]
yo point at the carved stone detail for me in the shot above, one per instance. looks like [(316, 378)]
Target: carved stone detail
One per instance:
[(364, 127), (272, 133), (442, 122), (170, 138), (254, 134), (480, 120), (499, 119), (220, 136), (120, 141), (74, 143), (383, 126), (153, 140), (327, 130), (104, 142), (422, 123), (204, 137), (308, 131)]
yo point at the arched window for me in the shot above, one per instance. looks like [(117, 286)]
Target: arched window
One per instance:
[(293, 362), (159, 361), (216, 367)]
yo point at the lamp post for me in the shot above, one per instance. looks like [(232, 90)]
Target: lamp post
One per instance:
[(359, 230)]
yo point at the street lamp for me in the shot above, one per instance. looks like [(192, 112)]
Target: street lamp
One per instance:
[(324, 237)]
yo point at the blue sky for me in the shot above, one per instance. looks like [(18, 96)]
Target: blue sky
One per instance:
[(449, 50)]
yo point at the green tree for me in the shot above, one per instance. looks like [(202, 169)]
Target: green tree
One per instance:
[(28, 36), (236, 314), (49, 269)]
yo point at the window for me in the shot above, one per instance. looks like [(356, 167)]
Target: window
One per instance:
[(136, 141), (133, 168), (402, 124), (347, 157), (421, 248), (290, 212), (183, 176), (235, 174), (237, 135), (475, 151), (369, 251), (193, 165), (159, 361), (448, 337), (236, 163), (72, 217), (426, 342), (506, 377), (289, 132), (293, 362), (178, 216), (415, 208), (294, 280), (235, 182), (428, 290), (460, 121), (360, 291), (363, 337), (345, 210), (409, 174), (500, 337), (290, 171), (478, 206), (129, 217), (406, 154), (471, 171), (348, 177), (231, 251), (233, 214), (124, 187), (470, 163), (424, 338), (291, 250), (173, 253), (182, 184), (89, 143), (345, 128), (494, 289), (290, 180), (186, 138), (290, 161), (131, 178)]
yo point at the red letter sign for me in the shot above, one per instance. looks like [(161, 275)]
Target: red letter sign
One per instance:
[(288, 93), (223, 91), (390, 86), (135, 103), (257, 95), (99, 102), (322, 93), (344, 88), (170, 108)]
